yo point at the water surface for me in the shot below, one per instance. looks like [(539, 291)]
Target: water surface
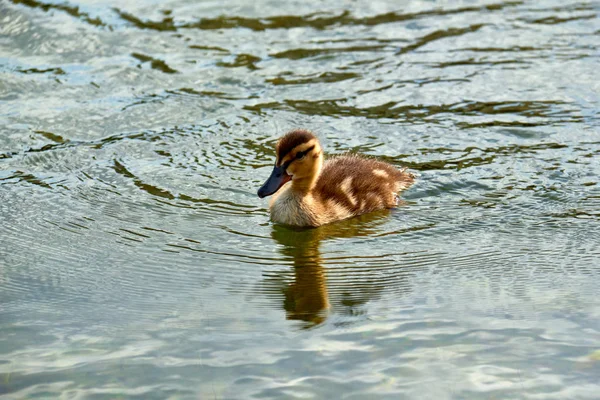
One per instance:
[(136, 260)]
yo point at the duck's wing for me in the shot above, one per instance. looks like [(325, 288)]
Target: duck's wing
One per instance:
[(361, 184)]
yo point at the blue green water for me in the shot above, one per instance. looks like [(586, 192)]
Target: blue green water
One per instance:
[(136, 260)]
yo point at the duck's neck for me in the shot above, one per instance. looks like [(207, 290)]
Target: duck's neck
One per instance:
[(307, 183)]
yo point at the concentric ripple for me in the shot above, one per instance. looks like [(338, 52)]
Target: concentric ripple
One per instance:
[(136, 260)]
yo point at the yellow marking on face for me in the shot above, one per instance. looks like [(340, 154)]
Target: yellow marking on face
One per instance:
[(301, 147), (306, 146), (381, 173)]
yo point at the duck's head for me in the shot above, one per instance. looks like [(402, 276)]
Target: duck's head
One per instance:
[(299, 158)]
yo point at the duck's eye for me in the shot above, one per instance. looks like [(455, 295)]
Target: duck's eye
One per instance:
[(300, 155)]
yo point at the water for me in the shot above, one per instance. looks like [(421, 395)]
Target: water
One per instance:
[(136, 260)]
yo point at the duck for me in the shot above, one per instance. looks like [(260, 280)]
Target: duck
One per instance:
[(309, 191)]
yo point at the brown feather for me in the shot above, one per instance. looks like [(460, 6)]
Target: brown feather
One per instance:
[(363, 182), (342, 187)]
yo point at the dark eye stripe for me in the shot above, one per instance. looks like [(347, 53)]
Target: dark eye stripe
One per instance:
[(301, 154)]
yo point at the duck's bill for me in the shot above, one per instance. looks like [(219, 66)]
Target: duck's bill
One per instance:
[(277, 179)]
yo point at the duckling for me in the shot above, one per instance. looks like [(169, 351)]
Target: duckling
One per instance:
[(309, 191)]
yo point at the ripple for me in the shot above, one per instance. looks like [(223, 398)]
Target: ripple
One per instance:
[(326, 77), (400, 112), (313, 20), (154, 63), (73, 11), (137, 260)]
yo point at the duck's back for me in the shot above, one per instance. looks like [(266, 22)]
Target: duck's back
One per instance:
[(361, 185)]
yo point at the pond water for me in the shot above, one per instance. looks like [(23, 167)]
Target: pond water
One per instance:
[(136, 260)]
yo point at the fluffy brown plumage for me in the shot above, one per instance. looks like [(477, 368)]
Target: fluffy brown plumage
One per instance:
[(322, 192)]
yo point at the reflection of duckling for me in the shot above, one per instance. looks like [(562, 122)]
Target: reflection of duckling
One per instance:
[(320, 193), (307, 298)]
